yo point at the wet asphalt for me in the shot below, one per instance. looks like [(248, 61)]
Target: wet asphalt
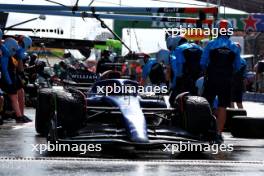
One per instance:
[(18, 157)]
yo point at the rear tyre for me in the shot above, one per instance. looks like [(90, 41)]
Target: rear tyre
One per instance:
[(196, 116), (199, 114), (247, 127)]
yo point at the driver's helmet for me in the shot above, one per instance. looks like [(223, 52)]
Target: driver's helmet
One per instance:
[(63, 65)]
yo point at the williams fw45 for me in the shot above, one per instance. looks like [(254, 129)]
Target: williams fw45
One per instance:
[(72, 115)]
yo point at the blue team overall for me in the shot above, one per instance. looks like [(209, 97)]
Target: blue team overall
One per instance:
[(220, 59), (11, 81), (186, 67), (185, 63)]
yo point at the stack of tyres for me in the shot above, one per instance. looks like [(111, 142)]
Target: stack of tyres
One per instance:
[(230, 113), (247, 127)]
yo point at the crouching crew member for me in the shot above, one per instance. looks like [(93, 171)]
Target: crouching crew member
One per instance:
[(185, 64), (153, 72), (220, 59)]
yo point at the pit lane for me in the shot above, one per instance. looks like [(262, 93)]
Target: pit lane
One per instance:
[(123, 167), (17, 157)]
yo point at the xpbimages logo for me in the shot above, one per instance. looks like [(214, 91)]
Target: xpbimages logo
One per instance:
[(203, 32), (130, 89), (42, 31), (58, 147), (193, 147)]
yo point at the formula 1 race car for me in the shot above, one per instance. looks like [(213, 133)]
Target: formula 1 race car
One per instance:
[(74, 115)]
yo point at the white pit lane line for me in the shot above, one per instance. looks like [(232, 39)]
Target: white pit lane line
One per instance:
[(226, 163)]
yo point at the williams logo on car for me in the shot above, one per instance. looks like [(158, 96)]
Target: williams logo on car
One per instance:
[(83, 76)]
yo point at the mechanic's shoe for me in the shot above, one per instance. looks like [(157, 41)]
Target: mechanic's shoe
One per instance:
[(23, 119), (1, 120), (219, 139), (27, 119)]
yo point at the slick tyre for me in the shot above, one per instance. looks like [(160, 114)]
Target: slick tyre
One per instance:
[(70, 112), (44, 110), (247, 127), (197, 116), (230, 113)]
